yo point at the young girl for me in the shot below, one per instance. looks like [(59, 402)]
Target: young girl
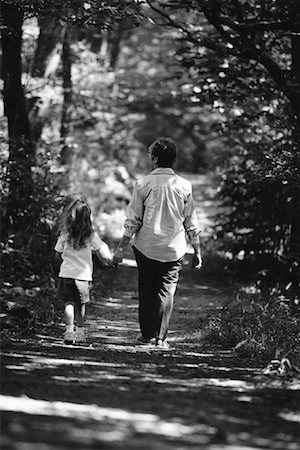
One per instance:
[(76, 242)]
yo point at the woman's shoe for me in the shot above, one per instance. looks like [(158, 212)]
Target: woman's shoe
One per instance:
[(140, 340)]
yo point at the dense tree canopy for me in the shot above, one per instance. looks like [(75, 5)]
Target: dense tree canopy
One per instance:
[(100, 15), (243, 59)]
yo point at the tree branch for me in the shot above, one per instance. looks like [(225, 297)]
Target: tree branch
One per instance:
[(276, 73), (174, 24), (238, 10), (262, 8), (243, 47), (273, 69), (218, 26), (251, 27)]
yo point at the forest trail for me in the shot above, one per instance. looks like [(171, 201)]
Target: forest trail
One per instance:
[(112, 394), (206, 204)]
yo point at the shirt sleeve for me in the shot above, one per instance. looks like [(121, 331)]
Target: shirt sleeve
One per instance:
[(59, 246), (191, 220), (134, 213), (96, 242)]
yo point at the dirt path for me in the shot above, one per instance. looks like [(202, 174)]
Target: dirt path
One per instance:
[(114, 395)]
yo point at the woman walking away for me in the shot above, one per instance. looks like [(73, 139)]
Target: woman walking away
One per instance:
[(76, 242), (160, 213)]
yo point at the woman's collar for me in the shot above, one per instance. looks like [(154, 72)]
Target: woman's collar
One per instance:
[(158, 170)]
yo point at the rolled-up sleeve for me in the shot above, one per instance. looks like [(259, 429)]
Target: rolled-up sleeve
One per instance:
[(59, 246), (191, 220), (134, 213)]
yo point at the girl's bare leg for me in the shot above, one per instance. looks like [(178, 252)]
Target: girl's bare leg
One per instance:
[(69, 315), (69, 335), (80, 332), (80, 315)]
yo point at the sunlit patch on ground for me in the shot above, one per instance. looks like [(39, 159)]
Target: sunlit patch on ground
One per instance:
[(114, 394), (113, 425), (290, 416)]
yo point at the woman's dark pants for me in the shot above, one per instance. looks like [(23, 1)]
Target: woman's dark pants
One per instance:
[(157, 286)]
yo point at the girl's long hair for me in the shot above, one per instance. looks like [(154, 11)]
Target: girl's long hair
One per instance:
[(75, 222)]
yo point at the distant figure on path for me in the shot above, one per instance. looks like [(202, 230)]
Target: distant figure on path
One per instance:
[(75, 244), (160, 212)]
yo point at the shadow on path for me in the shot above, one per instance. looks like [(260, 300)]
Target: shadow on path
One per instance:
[(112, 394)]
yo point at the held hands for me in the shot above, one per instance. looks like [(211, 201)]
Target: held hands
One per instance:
[(119, 253), (104, 255), (197, 261), (118, 256)]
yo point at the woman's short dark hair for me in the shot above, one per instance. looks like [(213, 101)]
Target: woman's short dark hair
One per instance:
[(165, 150)]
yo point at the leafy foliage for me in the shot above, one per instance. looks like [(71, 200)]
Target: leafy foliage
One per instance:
[(83, 13), (239, 57), (260, 168), (27, 311), (29, 251), (257, 327)]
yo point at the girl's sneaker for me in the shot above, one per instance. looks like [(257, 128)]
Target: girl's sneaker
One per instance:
[(80, 336), (69, 337)]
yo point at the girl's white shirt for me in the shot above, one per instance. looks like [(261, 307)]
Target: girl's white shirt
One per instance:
[(77, 264)]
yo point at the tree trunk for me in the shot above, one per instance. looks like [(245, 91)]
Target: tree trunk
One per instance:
[(19, 176), (66, 124), (116, 37), (294, 11), (295, 102), (49, 36)]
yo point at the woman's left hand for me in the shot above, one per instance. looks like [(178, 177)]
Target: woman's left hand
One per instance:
[(196, 261)]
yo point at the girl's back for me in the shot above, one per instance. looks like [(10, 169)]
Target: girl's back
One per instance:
[(77, 262), (75, 244)]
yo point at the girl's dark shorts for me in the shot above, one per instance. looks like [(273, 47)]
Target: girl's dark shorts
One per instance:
[(74, 291)]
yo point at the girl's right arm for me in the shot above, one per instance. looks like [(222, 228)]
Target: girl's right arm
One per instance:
[(104, 254)]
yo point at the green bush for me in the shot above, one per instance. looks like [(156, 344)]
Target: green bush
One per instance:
[(259, 188), (256, 327), (29, 251)]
